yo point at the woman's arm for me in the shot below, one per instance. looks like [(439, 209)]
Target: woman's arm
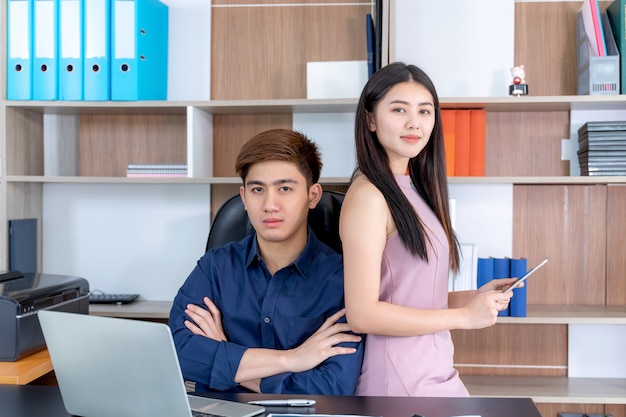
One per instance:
[(365, 226)]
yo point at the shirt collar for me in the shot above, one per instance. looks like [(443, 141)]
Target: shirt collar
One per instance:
[(303, 264)]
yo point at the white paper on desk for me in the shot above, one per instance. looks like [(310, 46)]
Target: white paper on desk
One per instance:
[(315, 415)]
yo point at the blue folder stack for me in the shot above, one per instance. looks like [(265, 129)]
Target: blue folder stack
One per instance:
[(87, 50)]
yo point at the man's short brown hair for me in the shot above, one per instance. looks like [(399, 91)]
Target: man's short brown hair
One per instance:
[(281, 145)]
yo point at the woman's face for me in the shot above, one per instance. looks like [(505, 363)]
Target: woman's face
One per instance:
[(403, 121)]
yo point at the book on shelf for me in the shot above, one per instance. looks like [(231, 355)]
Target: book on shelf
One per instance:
[(467, 276), (502, 269), (478, 134), (448, 122), (602, 148), (462, 134), (517, 305), (592, 24), (156, 170), (371, 41), (616, 13)]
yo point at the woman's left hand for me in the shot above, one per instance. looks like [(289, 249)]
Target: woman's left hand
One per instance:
[(500, 284)]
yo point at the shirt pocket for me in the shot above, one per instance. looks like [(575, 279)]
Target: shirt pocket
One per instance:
[(301, 328)]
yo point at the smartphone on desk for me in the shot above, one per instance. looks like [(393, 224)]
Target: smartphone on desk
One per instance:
[(526, 275)]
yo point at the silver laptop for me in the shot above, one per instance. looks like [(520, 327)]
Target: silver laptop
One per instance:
[(108, 367)]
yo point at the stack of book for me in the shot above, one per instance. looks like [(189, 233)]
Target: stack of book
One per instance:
[(464, 135), (156, 170), (602, 148)]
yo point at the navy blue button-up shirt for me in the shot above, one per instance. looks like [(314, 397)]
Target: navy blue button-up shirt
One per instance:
[(264, 311)]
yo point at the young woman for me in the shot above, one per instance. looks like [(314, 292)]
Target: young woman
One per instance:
[(399, 245)]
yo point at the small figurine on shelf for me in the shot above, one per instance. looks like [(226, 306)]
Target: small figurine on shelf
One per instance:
[(519, 86)]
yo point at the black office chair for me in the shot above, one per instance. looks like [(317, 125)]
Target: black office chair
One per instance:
[(231, 222)]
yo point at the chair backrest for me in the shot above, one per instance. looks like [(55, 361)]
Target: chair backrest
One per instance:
[(231, 222)]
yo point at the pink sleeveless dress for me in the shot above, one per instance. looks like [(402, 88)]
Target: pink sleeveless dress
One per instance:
[(417, 366)]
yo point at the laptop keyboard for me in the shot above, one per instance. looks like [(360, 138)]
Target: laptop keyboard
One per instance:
[(104, 298), (196, 413)]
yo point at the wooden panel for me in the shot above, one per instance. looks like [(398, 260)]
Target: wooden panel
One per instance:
[(526, 144), (566, 223), (545, 42), (261, 52), (616, 261), (219, 195), (552, 410), (520, 349), (615, 410), (108, 143), (24, 142), (230, 132)]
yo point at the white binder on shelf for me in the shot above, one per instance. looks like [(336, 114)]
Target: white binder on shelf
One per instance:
[(97, 49), (45, 50), (70, 50), (19, 49)]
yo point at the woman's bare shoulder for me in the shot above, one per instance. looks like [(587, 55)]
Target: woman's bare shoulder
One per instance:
[(364, 195)]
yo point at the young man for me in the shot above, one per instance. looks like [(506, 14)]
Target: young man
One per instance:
[(265, 314)]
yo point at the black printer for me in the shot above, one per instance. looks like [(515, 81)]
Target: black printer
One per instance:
[(22, 295)]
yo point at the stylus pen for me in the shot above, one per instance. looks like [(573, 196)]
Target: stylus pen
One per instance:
[(284, 403)]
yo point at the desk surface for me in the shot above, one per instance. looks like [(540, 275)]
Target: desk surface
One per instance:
[(32, 400), (26, 369)]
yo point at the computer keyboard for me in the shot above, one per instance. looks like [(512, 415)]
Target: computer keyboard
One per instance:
[(104, 298)]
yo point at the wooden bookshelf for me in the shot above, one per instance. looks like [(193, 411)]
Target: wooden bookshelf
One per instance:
[(258, 81)]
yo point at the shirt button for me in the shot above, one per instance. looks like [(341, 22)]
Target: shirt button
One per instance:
[(266, 319)]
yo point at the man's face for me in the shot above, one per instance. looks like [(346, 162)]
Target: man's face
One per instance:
[(278, 200)]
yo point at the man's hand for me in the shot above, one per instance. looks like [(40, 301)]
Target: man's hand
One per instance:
[(205, 322), (322, 344)]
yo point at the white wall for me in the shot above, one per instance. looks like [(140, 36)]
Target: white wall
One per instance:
[(126, 237), (484, 216)]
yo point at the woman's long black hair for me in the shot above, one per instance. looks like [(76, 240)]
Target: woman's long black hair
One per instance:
[(427, 170)]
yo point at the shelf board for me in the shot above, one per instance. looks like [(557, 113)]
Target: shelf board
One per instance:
[(144, 180), (514, 104), (276, 106), (323, 180), (560, 314), (549, 389)]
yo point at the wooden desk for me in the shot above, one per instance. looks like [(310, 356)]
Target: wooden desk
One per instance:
[(27, 369), (34, 400), (139, 309)]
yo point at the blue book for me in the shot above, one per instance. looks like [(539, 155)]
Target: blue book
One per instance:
[(518, 303), (19, 49), (502, 269), (45, 50), (485, 271), (139, 45), (70, 50), (370, 36), (97, 50)]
